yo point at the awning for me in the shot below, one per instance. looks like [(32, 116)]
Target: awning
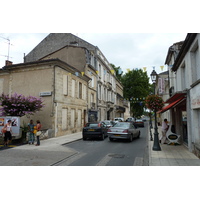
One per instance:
[(173, 104), (176, 97)]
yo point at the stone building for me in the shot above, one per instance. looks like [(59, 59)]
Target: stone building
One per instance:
[(104, 89), (65, 93)]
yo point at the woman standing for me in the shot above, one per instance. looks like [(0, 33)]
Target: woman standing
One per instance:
[(8, 135), (31, 134), (38, 127)]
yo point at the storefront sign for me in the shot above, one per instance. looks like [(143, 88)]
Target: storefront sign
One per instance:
[(195, 97)]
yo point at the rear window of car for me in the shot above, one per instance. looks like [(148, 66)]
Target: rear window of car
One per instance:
[(122, 125), (91, 125)]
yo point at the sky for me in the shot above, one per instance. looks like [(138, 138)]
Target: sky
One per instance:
[(127, 50)]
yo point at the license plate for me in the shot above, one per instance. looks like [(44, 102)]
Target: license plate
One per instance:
[(116, 135), (90, 129)]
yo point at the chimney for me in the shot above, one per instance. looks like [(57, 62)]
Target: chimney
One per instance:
[(8, 63)]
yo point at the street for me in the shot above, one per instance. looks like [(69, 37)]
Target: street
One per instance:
[(106, 153)]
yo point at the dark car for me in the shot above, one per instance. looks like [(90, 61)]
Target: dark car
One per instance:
[(95, 130), (123, 130), (139, 123), (109, 123)]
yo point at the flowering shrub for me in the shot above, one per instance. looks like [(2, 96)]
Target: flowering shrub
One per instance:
[(19, 105), (154, 102)]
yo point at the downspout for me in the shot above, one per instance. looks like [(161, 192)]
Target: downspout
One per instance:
[(54, 104)]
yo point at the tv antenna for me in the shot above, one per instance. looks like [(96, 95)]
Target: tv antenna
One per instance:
[(8, 56)]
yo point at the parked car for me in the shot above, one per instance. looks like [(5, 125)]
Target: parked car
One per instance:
[(139, 122), (123, 130), (109, 123), (95, 130), (119, 119), (130, 119)]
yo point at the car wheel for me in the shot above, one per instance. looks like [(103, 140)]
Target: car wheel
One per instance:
[(103, 136), (131, 138), (84, 138), (111, 139), (138, 135)]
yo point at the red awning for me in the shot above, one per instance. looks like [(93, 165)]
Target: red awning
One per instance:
[(173, 104), (176, 97)]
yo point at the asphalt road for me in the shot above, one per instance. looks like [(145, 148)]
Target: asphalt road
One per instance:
[(106, 153)]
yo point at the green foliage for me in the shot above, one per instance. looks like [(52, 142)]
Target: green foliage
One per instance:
[(118, 72), (136, 85)]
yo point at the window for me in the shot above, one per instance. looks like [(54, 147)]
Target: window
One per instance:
[(79, 118), (84, 92), (72, 118), (73, 88), (184, 78), (64, 119), (65, 85), (80, 91), (195, 60), (99, 70)]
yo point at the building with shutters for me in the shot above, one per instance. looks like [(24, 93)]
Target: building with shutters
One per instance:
[(65, 93)]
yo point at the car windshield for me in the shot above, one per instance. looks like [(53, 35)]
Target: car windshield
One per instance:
[(92, 125), (107, 122), (121, 125)]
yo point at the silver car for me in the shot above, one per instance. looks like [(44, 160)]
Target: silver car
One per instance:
[(123, 130)]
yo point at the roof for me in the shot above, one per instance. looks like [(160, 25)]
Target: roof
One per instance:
[(55, 62), (53, 42), (184, 49)]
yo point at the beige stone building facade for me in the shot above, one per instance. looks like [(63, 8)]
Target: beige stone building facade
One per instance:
[(64, 92)]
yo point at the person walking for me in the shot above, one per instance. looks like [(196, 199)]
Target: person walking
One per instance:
[(31, 132), (38, 128), (8, 133), (165, 128)]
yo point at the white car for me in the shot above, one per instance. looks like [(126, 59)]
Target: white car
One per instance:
[(123, 130), (119, 119)]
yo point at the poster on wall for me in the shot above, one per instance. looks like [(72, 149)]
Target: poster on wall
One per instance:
[(14, 121), (1, 121)]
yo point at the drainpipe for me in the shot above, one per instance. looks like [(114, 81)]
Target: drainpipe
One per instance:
[(54, 103)]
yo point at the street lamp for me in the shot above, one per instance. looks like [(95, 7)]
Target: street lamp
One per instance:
[(156, 145), (150, 126)]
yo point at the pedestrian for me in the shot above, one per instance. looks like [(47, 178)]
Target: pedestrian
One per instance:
[(8, 133), (165, 127), (38, 128), (31, 132)]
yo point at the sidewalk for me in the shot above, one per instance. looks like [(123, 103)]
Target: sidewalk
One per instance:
[(48, 153), (172, 155)]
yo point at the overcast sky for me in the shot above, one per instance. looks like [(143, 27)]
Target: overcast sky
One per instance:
[(127, 50)]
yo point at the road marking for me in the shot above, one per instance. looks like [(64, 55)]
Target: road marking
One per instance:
[(138, 161), (70, 160), (104, 160)]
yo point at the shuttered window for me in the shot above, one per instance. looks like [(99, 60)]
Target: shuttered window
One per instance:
[(65, 85)]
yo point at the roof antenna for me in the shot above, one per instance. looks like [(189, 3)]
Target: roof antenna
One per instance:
[(8, 56)]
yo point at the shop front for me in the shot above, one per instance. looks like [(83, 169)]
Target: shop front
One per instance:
[(178, 114)]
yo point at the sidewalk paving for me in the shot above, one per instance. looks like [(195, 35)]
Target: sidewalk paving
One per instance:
[(172, 155), (48, 153)]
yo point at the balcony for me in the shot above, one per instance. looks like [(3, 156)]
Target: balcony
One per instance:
[(109, 85), (93, 105)]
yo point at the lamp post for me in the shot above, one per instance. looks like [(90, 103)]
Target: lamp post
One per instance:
[(156, 144), (150, 126)]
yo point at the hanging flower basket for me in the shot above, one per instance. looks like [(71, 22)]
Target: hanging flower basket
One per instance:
[(154, 102)]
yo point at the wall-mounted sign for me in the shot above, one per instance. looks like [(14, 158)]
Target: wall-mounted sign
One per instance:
[(195, 97), (44, 94)]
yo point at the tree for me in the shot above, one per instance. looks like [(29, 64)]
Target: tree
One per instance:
[(136, 88), (118, 72), (19, 105)]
